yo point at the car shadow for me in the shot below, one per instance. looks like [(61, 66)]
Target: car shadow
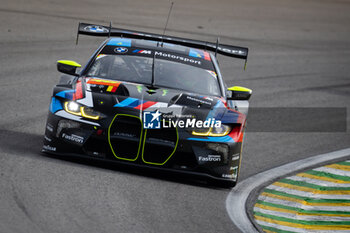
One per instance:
[(30, 144), (20, 143)]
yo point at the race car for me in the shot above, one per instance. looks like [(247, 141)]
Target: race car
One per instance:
[(153, 101)]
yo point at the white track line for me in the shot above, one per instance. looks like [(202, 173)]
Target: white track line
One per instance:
[(332, 171), (292, 229), (302, 206), (307, 194), (301, 217), (237, 198), (319, 182)]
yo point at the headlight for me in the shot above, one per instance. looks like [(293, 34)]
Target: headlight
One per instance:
[(89, 113), (72, 108), (202, 132), (223, 130), (79, 110)]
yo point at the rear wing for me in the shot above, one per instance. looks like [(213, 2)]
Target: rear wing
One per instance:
[(107, 31)]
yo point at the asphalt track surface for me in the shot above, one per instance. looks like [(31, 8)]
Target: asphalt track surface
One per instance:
[(300, 54)]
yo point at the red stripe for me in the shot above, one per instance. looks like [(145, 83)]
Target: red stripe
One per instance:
[(236, 133), (103, 82), (224, 102), (240, 139), (241, 118), (114, 89), (206, 56), (145, 105), (78, 91)]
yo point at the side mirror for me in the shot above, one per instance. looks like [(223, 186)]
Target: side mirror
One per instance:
[(239, 93), (68, 67)]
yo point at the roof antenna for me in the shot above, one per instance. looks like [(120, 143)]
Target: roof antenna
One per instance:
[(166, 24), (217, 46), (109, 29)]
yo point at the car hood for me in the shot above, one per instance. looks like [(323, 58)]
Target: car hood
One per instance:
[(108, 95)]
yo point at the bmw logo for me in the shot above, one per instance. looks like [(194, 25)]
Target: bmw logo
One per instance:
[(95, 28), (121, 50)]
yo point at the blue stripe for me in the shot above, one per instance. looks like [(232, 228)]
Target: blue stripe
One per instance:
[(213, 139), (120, 42), (55, 105), (229, 117), (215, 112), (195, 53), (129, 102), (66, 94)]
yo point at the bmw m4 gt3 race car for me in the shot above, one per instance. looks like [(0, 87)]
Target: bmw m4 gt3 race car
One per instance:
[(151, 100)]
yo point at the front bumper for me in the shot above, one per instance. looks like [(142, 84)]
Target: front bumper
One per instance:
[(122, 139)]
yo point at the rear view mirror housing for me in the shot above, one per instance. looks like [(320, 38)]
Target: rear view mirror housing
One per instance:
[(68, 67), (239, 93)]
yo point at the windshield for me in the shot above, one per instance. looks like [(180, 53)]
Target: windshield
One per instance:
[(167, 73)]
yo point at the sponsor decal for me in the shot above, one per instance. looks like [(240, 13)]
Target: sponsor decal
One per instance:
[(49, 127), (191, 123), (170, 118), (210, 158), (141, 51), (121, 50), (202, 101), (233, 51), (199, 54), (229, 176), (235, 157), (233, 175), (151, 120), (73, 138), (95, 28), (47, 147), (171, 115), (177, 57), (47, 138), (121, 42)]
